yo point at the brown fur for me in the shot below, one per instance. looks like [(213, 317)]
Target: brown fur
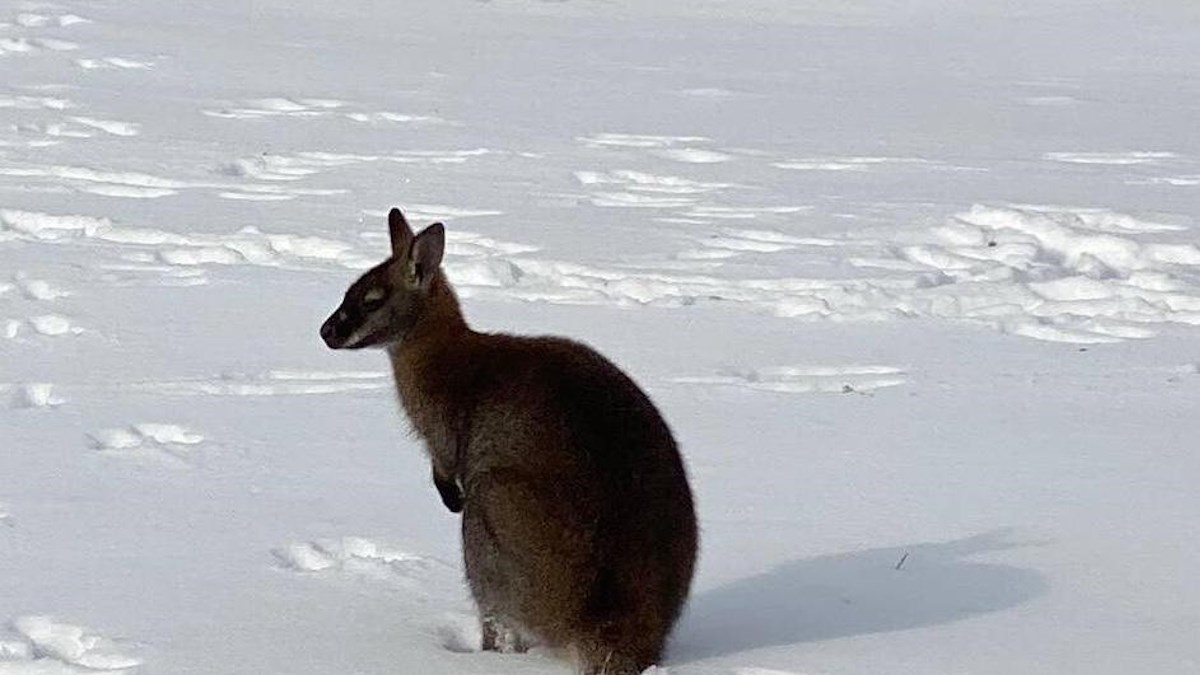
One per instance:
[(577, 519)]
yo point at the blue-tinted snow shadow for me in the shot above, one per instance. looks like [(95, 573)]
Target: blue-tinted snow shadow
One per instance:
[(855, 593)]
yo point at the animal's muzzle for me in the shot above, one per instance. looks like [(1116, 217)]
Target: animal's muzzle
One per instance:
[(333, 332)]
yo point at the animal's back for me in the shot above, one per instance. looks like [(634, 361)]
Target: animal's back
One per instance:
[(579, 523)]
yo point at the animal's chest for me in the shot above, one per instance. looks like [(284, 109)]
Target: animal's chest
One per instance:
[(439, 426)]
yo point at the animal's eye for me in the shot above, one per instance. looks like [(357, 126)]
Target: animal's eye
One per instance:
[(373, 299)]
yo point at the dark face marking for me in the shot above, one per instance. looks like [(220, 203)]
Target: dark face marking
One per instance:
[(384, 304), (379, 309), (366, 317)]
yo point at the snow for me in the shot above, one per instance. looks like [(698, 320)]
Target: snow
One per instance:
[(72, 645), (917, 286), (802, 379), (34, 395), (52, 325)]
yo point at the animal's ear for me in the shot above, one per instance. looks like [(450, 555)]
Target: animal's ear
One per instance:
[(400, 233), (427, 252)]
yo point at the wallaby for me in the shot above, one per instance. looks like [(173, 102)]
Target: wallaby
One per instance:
[(578, 527)]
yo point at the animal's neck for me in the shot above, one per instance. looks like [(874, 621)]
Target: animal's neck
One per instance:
[(442, 318), (425, 362)]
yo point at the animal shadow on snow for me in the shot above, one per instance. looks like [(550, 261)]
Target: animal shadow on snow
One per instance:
[(856, 593)]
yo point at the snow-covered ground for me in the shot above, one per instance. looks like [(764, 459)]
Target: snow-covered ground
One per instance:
[(917, 285)]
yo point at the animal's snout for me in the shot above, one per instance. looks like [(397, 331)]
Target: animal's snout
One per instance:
[(331, 331)]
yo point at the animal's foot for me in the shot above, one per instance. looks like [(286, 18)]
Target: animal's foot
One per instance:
[(500, 637)]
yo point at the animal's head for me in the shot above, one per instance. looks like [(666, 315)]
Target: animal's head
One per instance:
[(384, 305)]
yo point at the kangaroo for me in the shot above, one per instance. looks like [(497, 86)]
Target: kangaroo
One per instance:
[(578, 527)]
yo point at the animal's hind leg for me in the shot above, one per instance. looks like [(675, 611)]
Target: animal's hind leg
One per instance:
[(498, 636), (488, 628)]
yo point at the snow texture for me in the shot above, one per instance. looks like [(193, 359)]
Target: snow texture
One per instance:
[(917, 286)]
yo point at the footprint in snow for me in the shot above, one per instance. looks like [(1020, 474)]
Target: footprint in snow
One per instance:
[(1181, 180), (167, 443), (111, 127), (732, 242), (851, 164), (35, 103), (31, 396), (102, 182), (114, 63), (274, 383), (53, 325), (49, 325), (1049, 101), (36, 289), (804, 379), (33, 20), (365, 558), (28, 46), (315, 108), (47, 645), (1110, 158), (637, 189), (685, 149)]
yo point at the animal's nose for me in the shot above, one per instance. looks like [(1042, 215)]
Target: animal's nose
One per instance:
[(328, 331)]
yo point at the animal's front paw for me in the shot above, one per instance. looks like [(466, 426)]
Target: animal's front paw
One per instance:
[(453, 501), (451, 496)]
